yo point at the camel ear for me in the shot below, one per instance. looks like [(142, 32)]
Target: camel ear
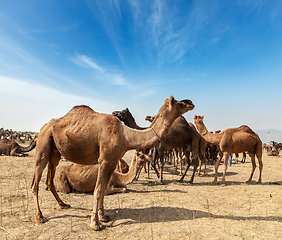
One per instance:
[(202, 117), (172, 100)]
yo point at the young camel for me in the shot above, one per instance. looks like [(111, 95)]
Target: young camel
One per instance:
[(83, 178), (233, 140), (86, 137)]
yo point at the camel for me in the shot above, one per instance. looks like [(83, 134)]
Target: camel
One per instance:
[(126, 117), (87, 137), (83, 178), (233, 140), (12, 148), (181, 136), (202, 150)]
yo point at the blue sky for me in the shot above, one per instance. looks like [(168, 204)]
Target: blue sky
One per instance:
[(226, 56)]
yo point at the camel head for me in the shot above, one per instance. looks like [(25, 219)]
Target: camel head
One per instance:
[(173, 109), (142, 157), (198, 119), (123, 114), (150, 118)]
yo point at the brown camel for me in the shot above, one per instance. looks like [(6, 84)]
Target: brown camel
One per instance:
[(126, 117), (84, 136), (233, 140), (83, 178), (12, 148), (181, 136)]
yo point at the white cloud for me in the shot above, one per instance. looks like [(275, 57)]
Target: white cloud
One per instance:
[(85, 61), (111, 76), (28, 106)]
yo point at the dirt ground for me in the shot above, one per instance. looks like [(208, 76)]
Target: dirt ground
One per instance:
[(149, 210)]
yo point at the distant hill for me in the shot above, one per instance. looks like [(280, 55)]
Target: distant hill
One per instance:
[(270, 135)]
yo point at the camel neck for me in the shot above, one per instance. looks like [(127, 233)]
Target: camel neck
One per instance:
[(123, 179), (142, 139), (212, 138), (133, 124)]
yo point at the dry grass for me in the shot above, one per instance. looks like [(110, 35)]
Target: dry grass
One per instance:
[(149, 210)]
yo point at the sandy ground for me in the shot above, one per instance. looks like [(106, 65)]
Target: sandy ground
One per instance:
[(149, 210)]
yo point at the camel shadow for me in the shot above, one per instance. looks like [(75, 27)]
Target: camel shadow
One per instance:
[(163, 214), (171, 214), (151, 191)]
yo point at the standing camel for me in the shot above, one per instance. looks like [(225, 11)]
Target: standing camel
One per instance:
[(84, 136), (233, 140), (181, 136)]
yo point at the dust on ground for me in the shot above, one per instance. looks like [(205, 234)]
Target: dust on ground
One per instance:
[(149, 210)]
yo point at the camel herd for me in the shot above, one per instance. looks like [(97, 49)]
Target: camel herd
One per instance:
[(95, 144)]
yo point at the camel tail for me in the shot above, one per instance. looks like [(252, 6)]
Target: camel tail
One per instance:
[(258, 149)]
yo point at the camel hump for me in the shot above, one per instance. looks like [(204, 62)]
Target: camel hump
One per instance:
[(82, 107), (247, 129)]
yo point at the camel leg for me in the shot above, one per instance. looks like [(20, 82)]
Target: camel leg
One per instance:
[(39, 167), (225, 160), (116, 190), (203, 158), (187, 159), (55, 157), (175, 151), (104, 174), (259, 157), (200, 165), (154, 161), (252, 155), (180, 159), (216, 167), (43, 150), (161, 158), (148, 169), (195, 163)]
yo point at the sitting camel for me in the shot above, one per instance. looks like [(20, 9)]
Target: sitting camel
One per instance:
[(83, 178), (87, 137), (12, 148), (233, 140)]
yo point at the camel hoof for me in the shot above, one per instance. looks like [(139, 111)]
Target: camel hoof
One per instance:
[(180, 180), (95, 226), (41, 219), (64, 206), (214, 182), (259, 182), (104, 218)]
